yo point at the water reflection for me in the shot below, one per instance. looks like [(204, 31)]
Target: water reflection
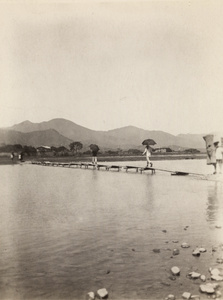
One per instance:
[(214, 202)]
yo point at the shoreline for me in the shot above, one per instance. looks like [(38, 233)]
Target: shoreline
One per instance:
[(7, 160)]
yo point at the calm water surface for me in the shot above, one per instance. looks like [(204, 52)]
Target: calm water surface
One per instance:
[(65, 232)]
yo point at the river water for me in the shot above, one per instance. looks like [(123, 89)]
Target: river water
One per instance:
[(65, 232)]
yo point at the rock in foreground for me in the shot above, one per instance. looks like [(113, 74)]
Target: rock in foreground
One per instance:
[(102, 293), (175, 270), (90, 296)]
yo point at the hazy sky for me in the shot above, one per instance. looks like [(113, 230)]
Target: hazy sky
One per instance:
[(157, 65)]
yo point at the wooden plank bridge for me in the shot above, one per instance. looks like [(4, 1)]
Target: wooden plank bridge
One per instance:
[(118, 168), (93, 166)]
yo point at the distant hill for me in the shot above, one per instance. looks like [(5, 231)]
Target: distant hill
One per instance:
[(62, 132), (35, 138)]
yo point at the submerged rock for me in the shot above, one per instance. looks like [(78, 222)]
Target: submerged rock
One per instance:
[(219, 260), (218, 226), (175, 270), (172, 278), (176, 251), (102, 293), (156, 250)]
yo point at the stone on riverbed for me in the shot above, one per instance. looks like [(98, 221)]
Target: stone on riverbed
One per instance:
[(202, 250), (194, 275), (219, 260), (102, 293), (203, 278), (175, 270), (170, 297), (218, 226), (176, 251), (214, 272), (209, 288), (156, 250), (195, 297), (185, 245), (218, 294), (217, 277), (90, 296), (196, 252), (186, 295)]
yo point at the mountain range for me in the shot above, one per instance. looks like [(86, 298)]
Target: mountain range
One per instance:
[(61, 132)]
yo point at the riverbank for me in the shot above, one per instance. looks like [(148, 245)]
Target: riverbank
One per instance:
[(7, 160)]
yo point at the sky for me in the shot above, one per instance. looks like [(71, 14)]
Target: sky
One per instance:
[(157, 65)]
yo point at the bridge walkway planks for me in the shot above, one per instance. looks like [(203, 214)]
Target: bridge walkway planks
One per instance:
[(90, 165), (137, 169)]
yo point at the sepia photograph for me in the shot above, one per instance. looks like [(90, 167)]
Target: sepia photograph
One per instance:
[(111, 149)]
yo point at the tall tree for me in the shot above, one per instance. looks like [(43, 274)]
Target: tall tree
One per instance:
[(75, 146)]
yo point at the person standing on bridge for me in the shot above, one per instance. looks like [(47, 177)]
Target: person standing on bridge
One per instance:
[(219, 157), (12, 156), (148, 152), (94, 148)]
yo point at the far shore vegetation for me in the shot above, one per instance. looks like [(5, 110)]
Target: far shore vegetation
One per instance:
[(76, 152)]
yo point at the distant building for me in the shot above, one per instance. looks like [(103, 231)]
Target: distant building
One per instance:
[(163, 150), (43, 150)]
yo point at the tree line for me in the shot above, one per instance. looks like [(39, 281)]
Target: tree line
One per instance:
[(74, 149)]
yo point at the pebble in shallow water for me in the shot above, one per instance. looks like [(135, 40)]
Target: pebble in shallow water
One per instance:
[(90, 296), (195, 297), (156, 250), (170, 297), (186, 295), (202, 250), (203, 278), (219, 260), (208, 288), (175, 270), (194, 275), (185, 245), (102, 293), (196, 252), (176, 251)]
